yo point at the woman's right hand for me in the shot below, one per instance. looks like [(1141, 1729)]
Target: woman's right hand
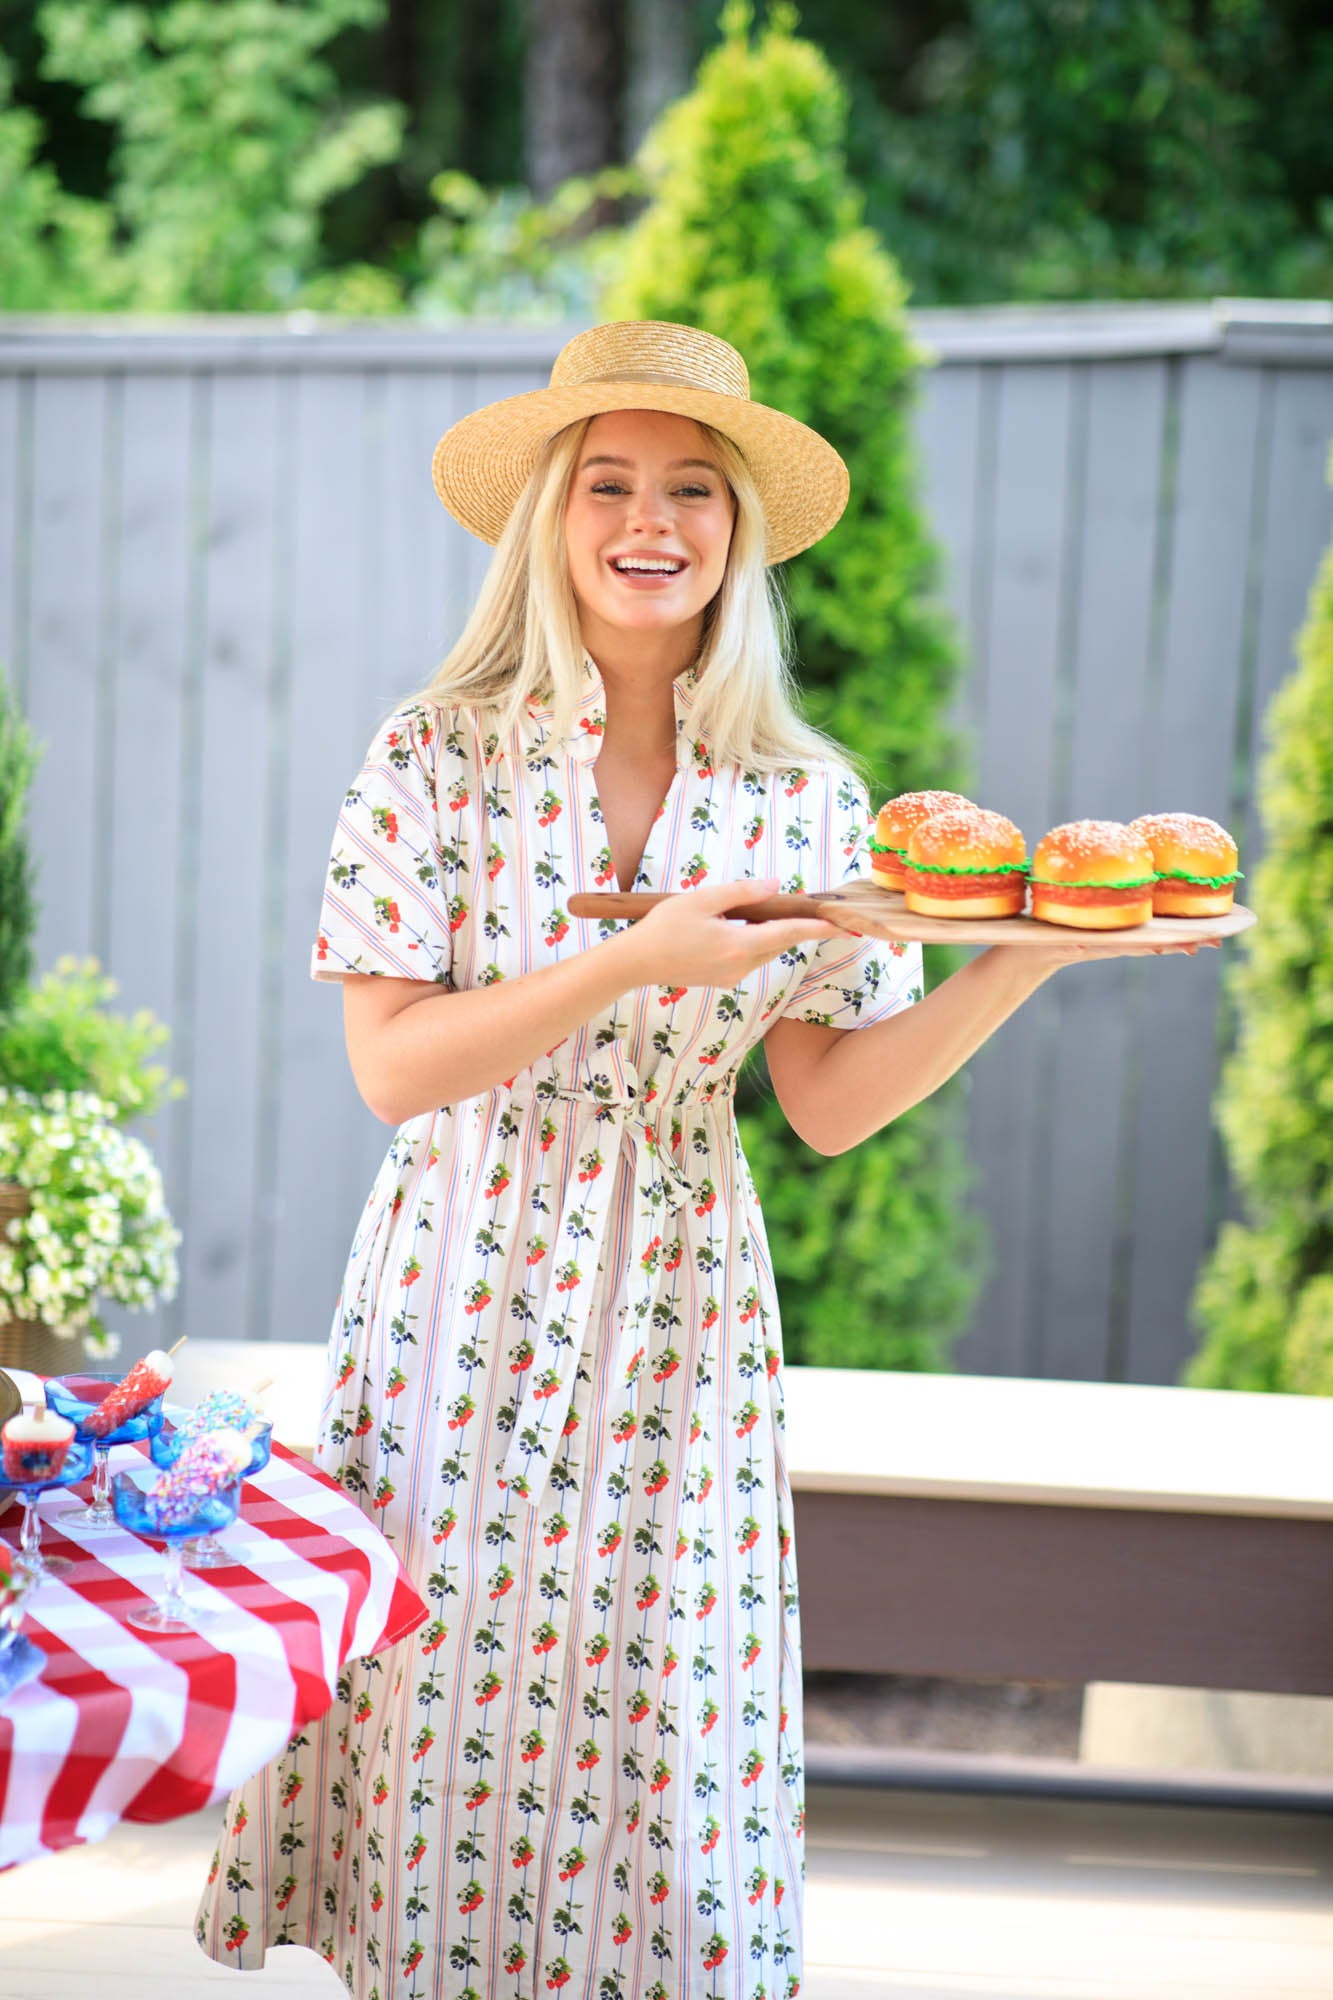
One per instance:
[(686, 940)]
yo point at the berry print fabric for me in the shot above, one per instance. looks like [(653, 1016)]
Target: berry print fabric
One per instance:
[(555, 1381)]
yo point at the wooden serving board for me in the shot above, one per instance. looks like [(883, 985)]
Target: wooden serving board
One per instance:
[(876, 912)]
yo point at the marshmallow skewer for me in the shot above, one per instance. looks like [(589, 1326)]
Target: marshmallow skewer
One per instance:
[(146, 1381)]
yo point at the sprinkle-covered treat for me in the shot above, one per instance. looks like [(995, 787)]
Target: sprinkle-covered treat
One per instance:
[(204, 1468), (146, 1380), (34, 1443), (220, 1409)]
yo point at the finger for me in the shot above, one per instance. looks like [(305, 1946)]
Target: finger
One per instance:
[(784, 932), (727, 895)]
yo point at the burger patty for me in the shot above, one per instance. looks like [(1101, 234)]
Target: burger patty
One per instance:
[(932, 884), (1073, 893)]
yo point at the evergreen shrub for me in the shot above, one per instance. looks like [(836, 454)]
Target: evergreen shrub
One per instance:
[(1265, 1297), (18, 907), (754, 231)]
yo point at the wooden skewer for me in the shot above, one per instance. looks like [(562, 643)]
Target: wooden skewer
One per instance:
[(180, 1343)]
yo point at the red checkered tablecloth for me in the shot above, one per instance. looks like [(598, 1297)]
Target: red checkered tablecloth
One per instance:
[(124, 1724)]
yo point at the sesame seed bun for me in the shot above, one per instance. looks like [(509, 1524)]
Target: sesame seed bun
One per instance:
[(1092, 874), (964, 862), (894, 825), (1185, 844)]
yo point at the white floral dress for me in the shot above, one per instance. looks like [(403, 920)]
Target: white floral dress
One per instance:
[(555, 1381)]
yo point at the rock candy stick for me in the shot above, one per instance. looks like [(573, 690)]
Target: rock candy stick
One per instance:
[(146, 1380)]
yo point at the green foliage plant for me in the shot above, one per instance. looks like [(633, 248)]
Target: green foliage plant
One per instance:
[(60, 1035), (55, 247), (229, 140), (98, 1221), (1095, 149), (18, 908), (755, 232), (1265, 1296), (499, 253)]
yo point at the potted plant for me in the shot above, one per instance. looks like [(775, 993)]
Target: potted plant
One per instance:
[(83, 1216), (81, 1202)]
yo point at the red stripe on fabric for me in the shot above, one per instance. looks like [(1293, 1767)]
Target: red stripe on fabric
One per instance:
[(102, 1714), (186, 1779), (407, 1607), (339, 1557)]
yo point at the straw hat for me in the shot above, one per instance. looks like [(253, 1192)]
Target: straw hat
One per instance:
[(482, 463)]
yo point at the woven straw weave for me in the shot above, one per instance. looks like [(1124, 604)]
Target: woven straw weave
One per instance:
[(482, 463)]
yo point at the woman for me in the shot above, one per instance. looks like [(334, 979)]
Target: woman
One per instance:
[(555, 1372)]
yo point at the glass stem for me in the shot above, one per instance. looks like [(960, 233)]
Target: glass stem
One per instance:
[(173, 1604), (102, 1477), (30, 1541)]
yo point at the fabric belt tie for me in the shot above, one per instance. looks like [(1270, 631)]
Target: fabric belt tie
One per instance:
[(659, 1190)]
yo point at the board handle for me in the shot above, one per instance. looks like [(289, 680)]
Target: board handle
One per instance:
[(636, 903)]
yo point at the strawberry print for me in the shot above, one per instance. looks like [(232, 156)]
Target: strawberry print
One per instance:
[(556, 1385)]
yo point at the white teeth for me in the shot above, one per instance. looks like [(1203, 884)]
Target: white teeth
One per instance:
[(632, 563)]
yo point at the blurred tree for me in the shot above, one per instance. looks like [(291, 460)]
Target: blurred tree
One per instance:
[(229, 140), (572, 86), (1265, 1298), (1024, 149), (1073, 149), (754, 231)]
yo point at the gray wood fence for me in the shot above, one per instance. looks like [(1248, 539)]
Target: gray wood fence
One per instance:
[(221, 559)]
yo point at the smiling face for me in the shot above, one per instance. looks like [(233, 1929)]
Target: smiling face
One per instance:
[(648, 524)]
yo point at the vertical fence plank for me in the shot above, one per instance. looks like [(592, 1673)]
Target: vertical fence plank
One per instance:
[(1299, 511), (225, 944), (15, 502), (1017, 655), (325, 1142), (1191, 732), (143, 754), (65, 626), (1111, 619), (947, 430)]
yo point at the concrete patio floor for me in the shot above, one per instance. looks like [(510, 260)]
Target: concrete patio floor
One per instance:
[(911, 1896)]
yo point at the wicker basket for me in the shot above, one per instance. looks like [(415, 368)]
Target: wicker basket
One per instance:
[(30, 1343)]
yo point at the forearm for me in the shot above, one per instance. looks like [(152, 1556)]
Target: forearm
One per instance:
[(870, 1076), (449, 1046)]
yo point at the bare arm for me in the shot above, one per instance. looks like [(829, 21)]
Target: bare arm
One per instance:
[(838, 1085), (414, 1047)]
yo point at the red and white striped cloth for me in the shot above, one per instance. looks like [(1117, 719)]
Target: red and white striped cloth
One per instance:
[(134, 1725)]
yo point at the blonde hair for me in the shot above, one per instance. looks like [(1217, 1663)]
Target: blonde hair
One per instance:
[(522, 636)]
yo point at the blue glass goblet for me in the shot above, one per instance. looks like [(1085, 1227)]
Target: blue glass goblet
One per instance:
[(20, 1660), (134, 1510), (78, 1461), (207, 1552), (73, 1397)]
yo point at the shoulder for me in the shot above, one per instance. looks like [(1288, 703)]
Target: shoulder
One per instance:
[(429, 739)]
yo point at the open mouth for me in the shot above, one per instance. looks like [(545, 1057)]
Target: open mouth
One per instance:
[(648, 566)]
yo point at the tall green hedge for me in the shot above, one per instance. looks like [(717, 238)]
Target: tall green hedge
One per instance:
[(755, 232), (19, 756), (1265, 1298)]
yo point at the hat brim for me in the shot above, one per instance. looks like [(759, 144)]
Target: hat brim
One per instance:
[(483, 462)]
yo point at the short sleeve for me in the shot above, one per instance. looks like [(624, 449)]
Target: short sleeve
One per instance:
[(384, 908), (851, 982)]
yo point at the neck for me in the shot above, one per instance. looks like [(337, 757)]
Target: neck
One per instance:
[(637, 670)]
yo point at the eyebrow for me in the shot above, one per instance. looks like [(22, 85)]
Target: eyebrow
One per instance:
[(628, 463)]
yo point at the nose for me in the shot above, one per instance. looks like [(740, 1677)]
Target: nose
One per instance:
[(649, 510)]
